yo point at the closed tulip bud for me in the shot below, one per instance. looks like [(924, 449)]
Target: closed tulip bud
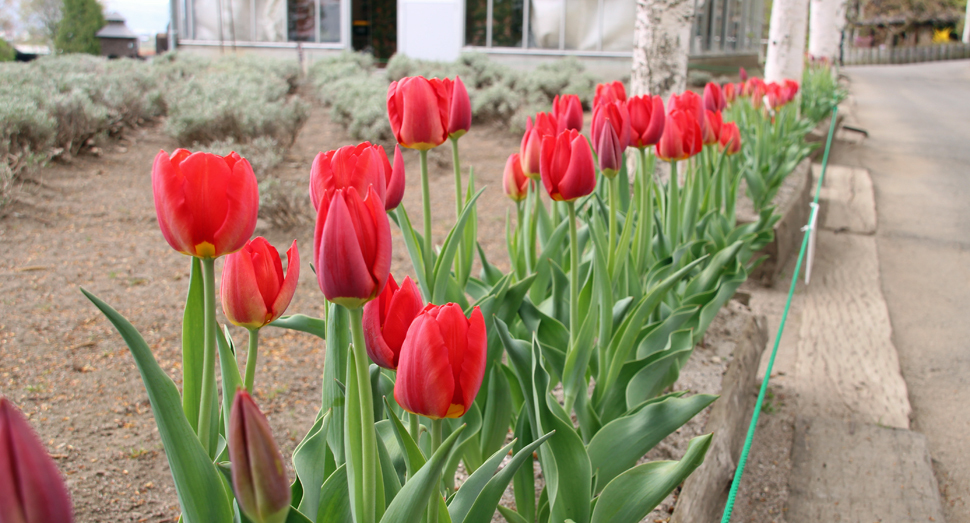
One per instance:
[(206, 204), (254, 289), (730, 93), (258, 474), (442, 362), (545, 125), (681, 139), (568, 111), (714, 97), (647, 120), (419, 112), (514, 181), (386, 321), (743, 74), (358, 166), (31, 488), (459, 108), (775, 95), (352, 246), (568, 170), (730, 138), (712, 127), (609, 151), (758, 90), (611, 92), (614, 114)]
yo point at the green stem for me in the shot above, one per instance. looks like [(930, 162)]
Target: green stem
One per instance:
[(209, 358), (673, 208), (426, 200), (533, 227), (251, 356), (369, 471), (435, 443), (414, 426), (614, 184), (460, 257), (573, 277), (645, 227)]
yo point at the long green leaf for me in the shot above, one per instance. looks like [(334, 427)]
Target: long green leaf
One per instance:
[(302, 323), (442, 266), (411, 501), (231, 381), (498, 412), (193, 341), (334, 499), (308, 458), (413, 243)]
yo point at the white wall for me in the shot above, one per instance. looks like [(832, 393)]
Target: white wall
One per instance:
[(430, 29)]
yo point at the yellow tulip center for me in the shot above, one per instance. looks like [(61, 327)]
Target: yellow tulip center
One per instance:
[(205, 250)]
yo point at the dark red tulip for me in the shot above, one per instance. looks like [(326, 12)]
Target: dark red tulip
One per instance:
[(568, 111), (681, 138), (611, 92), (545, 125), (459, 108), (616, 114), (730, 93), (514, 181), (568, 170), (743, 74), (714, 97), (352, 246), (387, 318), (442, 362), (730, 138), (258, 474), (358, 166), (206, 204), (254, 289), (647, 120), (712, 127), (419, 112), (609, 152)]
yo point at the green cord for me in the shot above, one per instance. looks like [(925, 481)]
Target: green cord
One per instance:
[(729, 507)]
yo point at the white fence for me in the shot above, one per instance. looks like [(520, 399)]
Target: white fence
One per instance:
[(905, 55)]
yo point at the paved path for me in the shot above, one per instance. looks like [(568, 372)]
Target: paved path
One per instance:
[(918, 153)]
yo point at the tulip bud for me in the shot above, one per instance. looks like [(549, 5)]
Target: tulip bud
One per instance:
[(545, 125), (31, 488), (568, 170), (713, 97), (358, 166), (611, 92), (730, 93), (743, 74), (258, 474), (206, 204), (609, 151), (681, 138), (568, 111), (712, 127), (352, 246), (254, 290), (647, 120), (442, 362), (386, 321), (616, 114), (730, 138), (460, 108), (419, 112), (514, 181)]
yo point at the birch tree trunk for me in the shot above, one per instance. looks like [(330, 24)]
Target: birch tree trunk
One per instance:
[(786, 40), (661, 43), (825, 24), (966, 26)]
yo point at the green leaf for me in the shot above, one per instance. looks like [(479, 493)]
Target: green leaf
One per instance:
[(442, 266), (334, 375), (659, 334), (524, 482), (231, 381), (353, 439), (510, 515), (411, 501), (413, 242), (308, 458), (662, 372), (295, 516), (302, 323), (193, 346), (484, 506), (490, 273), (633, 494), (335, 499), (415, 458), (498, 412), (199, 488), (462, 501)]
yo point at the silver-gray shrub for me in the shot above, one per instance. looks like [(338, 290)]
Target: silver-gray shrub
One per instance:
[(356, 93)]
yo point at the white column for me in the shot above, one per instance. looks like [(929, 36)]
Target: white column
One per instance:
[(826, 22), (661, 43), (966, 26), (786, 40), (430, 29)]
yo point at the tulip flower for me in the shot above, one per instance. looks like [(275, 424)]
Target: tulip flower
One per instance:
[(31, 488), (359, 167), (792, 87), (730, 138), (568, 170), (514, 181), (714, 97), (743, 74), (545, 125), (254, 289), (712, 127), (568, 111), (459, 108), (616, 114), (352, 246), (609, 151), (442, 362), (419, 112), (681, 139), (730, 93), (206, 204), (646, 120), (611, 92), (688, 102), (258, 475), (386, 321)]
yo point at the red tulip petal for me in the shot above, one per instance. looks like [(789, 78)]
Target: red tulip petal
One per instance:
[(168, 189), (404, 306), (473, 364), (242, 301), (425, 383), (460, 112), (241, 200), (288, 287), (394, 106), (547, 153), (454, 330), (579, 178), (395, 184), (342, 270)]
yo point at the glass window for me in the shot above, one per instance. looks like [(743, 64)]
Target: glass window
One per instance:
[(300, 26), (476, 24), (507, 23), (329, 21), (271, 20)]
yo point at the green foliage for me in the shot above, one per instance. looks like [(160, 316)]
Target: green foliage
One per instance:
[(82, 19), (821, 92), (7, 52)]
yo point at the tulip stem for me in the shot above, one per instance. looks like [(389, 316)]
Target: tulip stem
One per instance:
[(646, 210), (369, 473), (414, 423), (573, 277), (435, 443), (614, 184), (251, 356), (460, 258), (209, 358), (426, 201), (533, 224), (673, 208)]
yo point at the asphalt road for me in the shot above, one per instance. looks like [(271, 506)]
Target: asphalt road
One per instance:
[(918, 152)]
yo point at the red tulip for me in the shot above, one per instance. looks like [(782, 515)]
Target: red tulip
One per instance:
[(459, 108), (258, 475), (688, 102), (616, 114), (386, 321), (609, 151), (206, 204), (712, 127), (254, 290), (730, 93), (714, 97), (743, 74), (568, 111), (646, 120), (31, 488), (567, 166), (394, 177), (611, 92), (514, 181), (730, 138), (681, 139), (442, 362), (352, 246), (419, 112), (532, 142), (792, 87), (359, 166)]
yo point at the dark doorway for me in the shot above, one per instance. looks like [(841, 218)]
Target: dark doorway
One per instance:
[(374, 27)]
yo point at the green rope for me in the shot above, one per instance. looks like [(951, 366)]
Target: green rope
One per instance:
[(781, 327)]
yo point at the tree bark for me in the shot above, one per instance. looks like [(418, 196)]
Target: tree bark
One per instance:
[(786, 40), (661, 45), (966, 26), (826, 22)]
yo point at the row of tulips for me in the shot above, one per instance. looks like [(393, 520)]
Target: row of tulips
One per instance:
[(608, 293)]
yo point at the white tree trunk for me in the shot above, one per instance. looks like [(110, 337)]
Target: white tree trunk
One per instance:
[(786, 40), (661, 42), (826, 22), (966, 26)]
